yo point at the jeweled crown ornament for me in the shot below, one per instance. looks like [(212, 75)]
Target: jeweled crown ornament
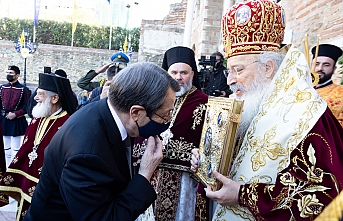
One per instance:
[(253, 27)]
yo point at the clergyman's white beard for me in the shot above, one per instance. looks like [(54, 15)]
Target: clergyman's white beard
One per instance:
[(184, 88), (42, 109), (252, 99)]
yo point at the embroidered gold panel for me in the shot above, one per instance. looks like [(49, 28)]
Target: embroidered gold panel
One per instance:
[(217, 138)]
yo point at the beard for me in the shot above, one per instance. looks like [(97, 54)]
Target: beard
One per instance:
[(252, 97), (184, 88), (324, 77), (42, 109)]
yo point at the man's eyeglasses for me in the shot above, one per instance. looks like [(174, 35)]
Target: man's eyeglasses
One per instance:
[(236, 70), (165, 121)]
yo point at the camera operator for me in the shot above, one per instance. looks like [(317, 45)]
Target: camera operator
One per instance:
[(217, 85)]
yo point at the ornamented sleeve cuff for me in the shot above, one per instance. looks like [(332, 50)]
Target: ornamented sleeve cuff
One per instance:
[(242, 199), (248, 197)]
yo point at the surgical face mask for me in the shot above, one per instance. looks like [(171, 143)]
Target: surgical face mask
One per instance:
[(10, 77), (152, 129)]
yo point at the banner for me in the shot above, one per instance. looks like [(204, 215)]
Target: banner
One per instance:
[(22, 38), (130, 52), (18, 46), (36, 12), (126, 44)]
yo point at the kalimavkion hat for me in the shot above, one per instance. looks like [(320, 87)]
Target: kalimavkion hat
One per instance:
[(180, 54), (253, 27), (61, 86), (61, 73), (119, 57), (14, 68), (328, 50)]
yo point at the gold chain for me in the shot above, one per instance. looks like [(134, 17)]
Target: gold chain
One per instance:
[(39, 137)]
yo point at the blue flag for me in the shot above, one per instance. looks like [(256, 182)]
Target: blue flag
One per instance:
[(29, 46), (36, 12), (109, 1), (130, 52), (18, 46)]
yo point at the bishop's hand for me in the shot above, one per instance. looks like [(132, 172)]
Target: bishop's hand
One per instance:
[(228, 194)]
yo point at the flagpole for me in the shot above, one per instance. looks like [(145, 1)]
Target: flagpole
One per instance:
[(111, 12), (34, 33), (73, 28)]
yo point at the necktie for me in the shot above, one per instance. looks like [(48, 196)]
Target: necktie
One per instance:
[(127, 144)]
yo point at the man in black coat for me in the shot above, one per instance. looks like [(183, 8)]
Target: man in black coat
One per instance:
[(86, 172), (217, 85)]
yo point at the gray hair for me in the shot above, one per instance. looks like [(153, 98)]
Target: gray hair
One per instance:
[(50, 93), (144, 84), (275, 57)]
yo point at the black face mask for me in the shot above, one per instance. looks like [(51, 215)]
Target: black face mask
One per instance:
[(10, 77), (152, 128)]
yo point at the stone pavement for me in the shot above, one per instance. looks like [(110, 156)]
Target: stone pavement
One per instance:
[(8, 212)]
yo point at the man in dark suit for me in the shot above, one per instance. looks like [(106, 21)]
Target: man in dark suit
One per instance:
[(86, 172)]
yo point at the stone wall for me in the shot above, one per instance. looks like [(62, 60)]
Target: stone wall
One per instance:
[(206, 27), (313, 17), (76, 61), (157, 36)]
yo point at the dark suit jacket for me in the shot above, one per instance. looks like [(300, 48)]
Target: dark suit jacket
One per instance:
[(85, 174)]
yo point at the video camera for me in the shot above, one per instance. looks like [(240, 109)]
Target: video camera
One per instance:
[(207, 62)]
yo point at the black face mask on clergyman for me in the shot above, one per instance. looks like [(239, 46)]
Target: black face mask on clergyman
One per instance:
[(10, 77)]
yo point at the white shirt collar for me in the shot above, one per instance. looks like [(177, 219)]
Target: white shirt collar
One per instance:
[(57, 112), (116, 118), (319, 85)]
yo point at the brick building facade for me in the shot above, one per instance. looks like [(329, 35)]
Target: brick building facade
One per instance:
[(159, 35), (311, 17)]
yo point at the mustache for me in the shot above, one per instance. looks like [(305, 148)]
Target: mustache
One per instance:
[(236, 87)]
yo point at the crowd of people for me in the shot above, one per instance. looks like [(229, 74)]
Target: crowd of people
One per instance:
[(136, 155)]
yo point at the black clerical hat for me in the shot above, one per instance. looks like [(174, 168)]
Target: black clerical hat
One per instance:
[(328, 50), (183, 55), (61, 86), (61, 73)]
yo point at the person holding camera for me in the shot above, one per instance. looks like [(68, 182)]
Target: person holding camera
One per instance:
[(99, 90), (217, 85)]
